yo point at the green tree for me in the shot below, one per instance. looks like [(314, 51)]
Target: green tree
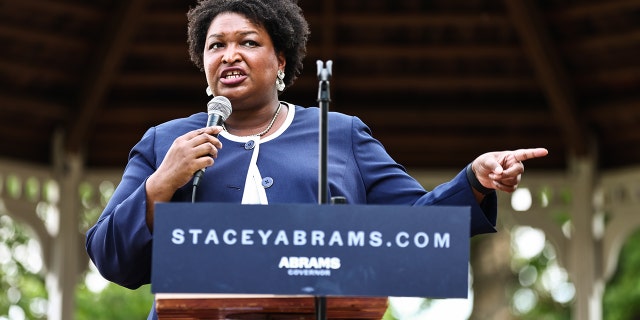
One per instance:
[(114, 302), (22, 287), (623, 291)]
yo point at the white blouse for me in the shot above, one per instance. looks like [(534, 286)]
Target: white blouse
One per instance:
[(254, 192)]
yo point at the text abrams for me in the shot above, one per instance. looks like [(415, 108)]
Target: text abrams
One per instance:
[(309, 263)]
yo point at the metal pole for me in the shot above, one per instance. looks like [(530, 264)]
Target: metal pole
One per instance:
[(324, 74)]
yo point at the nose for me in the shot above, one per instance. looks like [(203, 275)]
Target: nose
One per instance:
[(231, 54)]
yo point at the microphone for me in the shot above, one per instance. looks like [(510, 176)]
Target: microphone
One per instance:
[(219, 109)]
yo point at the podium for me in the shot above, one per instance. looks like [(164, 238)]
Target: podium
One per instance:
[(231, 261), (259, 307)]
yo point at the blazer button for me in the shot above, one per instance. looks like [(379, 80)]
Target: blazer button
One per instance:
[(249, 145), (267, 182)]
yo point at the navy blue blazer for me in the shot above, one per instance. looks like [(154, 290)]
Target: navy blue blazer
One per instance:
[(359, 169)]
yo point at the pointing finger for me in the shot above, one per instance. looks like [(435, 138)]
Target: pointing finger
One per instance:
[(526, 154)]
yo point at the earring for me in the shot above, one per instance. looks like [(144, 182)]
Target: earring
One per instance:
[(280, 81), (209, 93)]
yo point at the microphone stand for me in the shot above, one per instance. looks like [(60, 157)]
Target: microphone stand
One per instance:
[(324, 74)]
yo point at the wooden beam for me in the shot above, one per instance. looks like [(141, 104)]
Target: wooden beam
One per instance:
[(328, 29), (107, 64), (550, 71), (605, 42), (367, 83), (80, 9), (317, 19), (436, 82), (446, 52), (158, 79), (597, 8), (615, 113), (34, 35), (456, 116), (462, 142), (615, 78), (22, 72), (31, 107), (418, 20)]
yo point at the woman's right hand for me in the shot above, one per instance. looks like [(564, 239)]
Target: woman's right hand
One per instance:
[(189, 153)]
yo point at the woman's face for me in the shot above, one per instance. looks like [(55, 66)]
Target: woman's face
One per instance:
[(240, 61)]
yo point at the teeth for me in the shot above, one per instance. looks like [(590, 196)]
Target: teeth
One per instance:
[(233, 74)]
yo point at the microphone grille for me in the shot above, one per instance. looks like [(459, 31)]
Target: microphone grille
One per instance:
[(219, 105)]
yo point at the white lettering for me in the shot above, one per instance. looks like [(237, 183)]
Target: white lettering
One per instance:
[(212, 236), (317, 238), (355, 239), (194, 235), (336, 238), (281, 238), (441, 241), (178, 236), (335, 263), (399, 242), (324, 263), (313, 263), (299, 238), (305, 272), (294, 262), (375, 239), (284, 263), (421, 240), (229, 237), (265, 236), (309, 263), (246, 237)]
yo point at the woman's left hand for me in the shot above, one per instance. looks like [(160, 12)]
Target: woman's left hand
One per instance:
[(501, 170)]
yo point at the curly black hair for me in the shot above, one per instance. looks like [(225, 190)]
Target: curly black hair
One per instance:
[(282, 19)]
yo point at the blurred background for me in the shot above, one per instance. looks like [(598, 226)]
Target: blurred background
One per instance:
[(438, 81)]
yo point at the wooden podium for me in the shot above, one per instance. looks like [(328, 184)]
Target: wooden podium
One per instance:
[(263, 307)]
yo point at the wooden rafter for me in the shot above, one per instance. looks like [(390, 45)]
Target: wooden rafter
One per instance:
[(328, 28), (550, 71), (421, 20), (107, 62), (597, 8)]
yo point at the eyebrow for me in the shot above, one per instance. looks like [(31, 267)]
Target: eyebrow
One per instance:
[(241, 33)]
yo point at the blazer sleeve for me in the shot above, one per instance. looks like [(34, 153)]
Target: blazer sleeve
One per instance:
[(387, 182), (119, 244)]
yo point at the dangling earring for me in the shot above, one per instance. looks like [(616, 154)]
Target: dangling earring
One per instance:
[(209, 93), (280, 81)]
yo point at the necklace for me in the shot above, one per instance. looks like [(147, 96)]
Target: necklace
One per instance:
[(273, 120)]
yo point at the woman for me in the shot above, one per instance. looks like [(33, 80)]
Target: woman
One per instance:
[(250, 51)]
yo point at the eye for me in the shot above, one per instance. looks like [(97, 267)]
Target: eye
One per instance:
[(250, 43), (215, 45)]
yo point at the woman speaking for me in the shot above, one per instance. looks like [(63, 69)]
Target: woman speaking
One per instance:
[(266, 151)]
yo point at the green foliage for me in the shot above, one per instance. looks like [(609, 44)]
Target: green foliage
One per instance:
[(20, 289), (530, 274), (547, 309), (114, 302), (388, 315), (623, 291), (26, 291)]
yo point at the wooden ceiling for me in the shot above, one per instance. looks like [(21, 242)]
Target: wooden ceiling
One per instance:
[(438, 81)]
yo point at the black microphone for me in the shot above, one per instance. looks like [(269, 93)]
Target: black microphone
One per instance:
[(219, 109)]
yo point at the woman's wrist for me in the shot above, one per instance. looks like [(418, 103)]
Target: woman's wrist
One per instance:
[(475, 183)]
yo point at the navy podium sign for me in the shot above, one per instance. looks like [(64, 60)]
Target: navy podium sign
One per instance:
[(321, 250)]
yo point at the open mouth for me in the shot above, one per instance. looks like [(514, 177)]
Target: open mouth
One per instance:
[(232, 74)]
